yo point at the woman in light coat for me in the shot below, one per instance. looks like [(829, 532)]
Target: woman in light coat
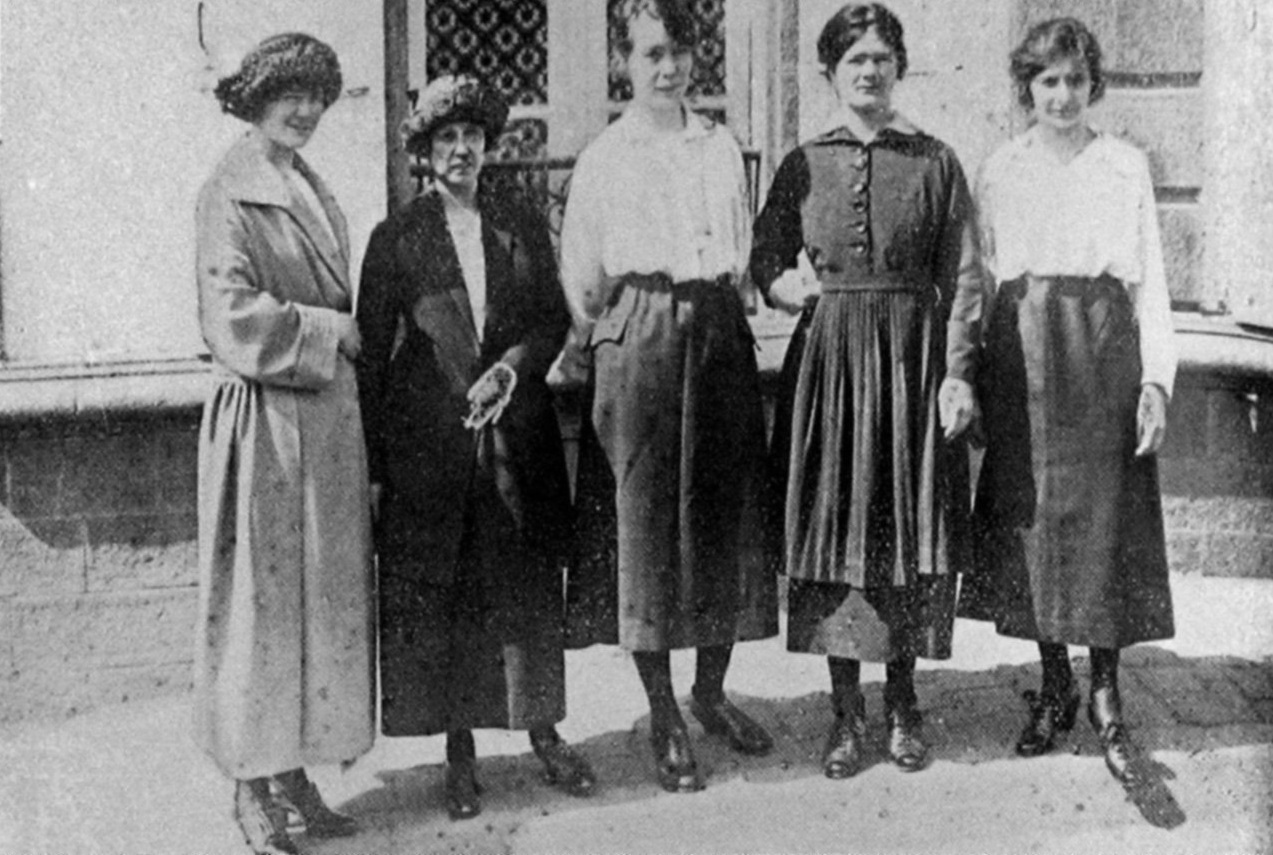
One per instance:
[(283, 660)]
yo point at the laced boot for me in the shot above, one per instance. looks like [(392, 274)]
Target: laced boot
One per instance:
[(1050, 715), (906, 745), (842, 756)]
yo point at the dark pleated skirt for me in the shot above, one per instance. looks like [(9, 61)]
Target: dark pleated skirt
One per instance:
[(876, 503), (678, 415), (1070, 544), (484, 651)]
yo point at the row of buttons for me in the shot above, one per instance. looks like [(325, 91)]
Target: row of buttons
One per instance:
[(860, 248)]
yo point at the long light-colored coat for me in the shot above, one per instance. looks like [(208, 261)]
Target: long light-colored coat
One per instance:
[(285, 640)]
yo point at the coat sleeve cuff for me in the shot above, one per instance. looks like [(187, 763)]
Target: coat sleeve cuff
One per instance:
[(318, 348)]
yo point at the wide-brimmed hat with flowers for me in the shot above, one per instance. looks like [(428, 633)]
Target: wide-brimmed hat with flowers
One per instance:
[(453, 99)]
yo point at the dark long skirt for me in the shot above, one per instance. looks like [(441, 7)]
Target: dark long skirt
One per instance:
[(678, 413), (1069, 521), (485, 650), (876, 511)]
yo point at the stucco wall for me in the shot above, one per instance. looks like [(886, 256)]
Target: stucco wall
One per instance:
[(108, 130)]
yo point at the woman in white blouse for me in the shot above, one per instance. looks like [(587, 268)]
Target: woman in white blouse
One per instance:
[(1077, 372), (654, 242)]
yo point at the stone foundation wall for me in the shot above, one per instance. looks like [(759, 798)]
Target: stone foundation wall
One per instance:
[(97, 563)]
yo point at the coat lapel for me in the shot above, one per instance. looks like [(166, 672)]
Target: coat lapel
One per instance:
[(250, 177), (442, 308)]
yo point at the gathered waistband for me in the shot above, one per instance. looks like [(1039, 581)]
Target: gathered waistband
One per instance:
[(663, 283), (874, 282), (1073, 286)]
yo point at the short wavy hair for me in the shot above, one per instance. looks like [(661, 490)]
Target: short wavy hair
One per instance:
[(1048, 43), (845, 27), (279, 64), (450, 99), (677, 17)]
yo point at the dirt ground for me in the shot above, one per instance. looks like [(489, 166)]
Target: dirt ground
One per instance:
[(128, 780)]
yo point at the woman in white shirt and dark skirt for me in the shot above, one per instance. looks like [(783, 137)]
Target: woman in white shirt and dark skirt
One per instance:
[(1077, 372), (654, 242)]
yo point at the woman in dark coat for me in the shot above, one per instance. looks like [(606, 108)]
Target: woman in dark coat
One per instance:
[(1079, 364), (467, 465), (876, 511)]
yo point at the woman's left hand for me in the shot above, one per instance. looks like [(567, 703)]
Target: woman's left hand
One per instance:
[(1151, 419), (956, 406)]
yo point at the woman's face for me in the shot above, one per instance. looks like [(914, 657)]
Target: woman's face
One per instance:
[(658, 68), (456, 154), (291, 118), (864, 77), (1061, 94)]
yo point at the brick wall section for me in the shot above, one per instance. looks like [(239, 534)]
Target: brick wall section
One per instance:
[(97, 563)]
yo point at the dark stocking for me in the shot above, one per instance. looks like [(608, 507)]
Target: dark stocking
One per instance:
[(846, 675), (1057, 676), (1104, 668), (899, 685), (709, 672), (655, 669)]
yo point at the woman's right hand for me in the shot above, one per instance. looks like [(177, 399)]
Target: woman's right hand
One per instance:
[(793, 290), (348, 339)]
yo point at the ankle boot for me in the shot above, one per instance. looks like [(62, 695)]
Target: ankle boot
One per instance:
[(462, 790), (261, 819), (906, 745), (1105, 712), (674, 760), (1050, 714), (842, 756), (299, 794), (720, 717), (563, 766)]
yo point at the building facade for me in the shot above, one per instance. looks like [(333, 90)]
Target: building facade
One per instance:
[(108, 127)]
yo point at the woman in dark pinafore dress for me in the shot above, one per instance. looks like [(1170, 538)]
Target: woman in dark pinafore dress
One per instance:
[(876, 385), (1078, 367)]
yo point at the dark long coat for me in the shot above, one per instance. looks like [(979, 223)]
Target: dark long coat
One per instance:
[(472, 526)]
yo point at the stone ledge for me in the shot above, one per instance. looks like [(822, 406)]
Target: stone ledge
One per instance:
[(42, 392)]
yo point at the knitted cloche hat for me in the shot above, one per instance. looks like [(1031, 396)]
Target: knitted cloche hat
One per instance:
[(282, 62)]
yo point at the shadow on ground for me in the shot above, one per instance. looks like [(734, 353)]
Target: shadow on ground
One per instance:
[(1173, 704)]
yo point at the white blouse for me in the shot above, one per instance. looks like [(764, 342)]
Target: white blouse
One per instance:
[(1094, 215), (646, 201), (465, 226)]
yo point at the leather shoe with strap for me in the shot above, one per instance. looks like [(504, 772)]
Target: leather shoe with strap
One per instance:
[(722, 718), (300, 795), (261, 819)]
